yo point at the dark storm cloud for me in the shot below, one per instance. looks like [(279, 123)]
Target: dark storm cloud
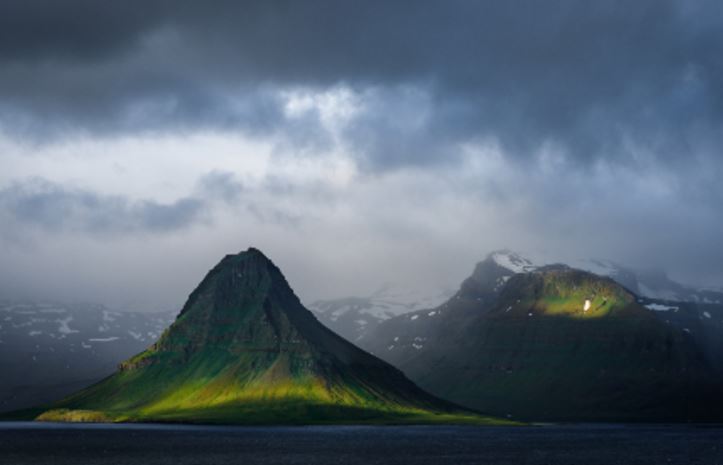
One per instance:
[(609, 116), (78, 30), (56, 208), (594, 79)]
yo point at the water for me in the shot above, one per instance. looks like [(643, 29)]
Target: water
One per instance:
[(58, 444)]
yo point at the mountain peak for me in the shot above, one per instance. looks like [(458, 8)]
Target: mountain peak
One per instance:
[(240, 281), (252, 253), (245, 349)]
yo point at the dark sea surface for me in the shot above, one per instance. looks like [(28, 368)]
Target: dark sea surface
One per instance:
[(51, 444)]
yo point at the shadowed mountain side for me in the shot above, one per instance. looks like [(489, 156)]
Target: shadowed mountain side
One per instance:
[(554, 344), (245, 350)]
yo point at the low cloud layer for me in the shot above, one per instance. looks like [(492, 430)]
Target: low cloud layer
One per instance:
[(583, 129), (55, 209)]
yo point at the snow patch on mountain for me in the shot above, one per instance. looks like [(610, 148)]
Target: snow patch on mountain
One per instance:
[(64, 329), (661, 307), (512, 261), (352, 317), (53, 310)]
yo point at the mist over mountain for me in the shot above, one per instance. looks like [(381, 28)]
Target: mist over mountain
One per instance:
[(353, 317), (48, 350), (401, 142)]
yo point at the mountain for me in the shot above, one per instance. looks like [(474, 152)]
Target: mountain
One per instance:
[(49, 350), (245, 350), (557, 343), (354, 317)]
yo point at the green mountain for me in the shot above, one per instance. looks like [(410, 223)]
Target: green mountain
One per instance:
[(553, 343), (245, 350)]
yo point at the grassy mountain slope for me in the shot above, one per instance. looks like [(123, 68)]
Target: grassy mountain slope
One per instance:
[(245, 350)]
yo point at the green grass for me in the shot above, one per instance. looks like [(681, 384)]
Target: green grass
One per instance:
[(565, 293), (75, 416), (214, 387), (287, 412)]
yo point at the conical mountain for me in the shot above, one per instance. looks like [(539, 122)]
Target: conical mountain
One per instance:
[(245, 350), (553, 343)]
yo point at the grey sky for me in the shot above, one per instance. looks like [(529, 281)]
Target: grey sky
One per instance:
[(354, 142)]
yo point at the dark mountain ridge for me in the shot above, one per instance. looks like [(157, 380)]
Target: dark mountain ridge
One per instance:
[(554, 343)]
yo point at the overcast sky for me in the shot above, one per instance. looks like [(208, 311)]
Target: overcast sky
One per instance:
[(355, 143)]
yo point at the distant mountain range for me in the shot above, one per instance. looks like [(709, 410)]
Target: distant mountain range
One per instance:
[(245, 350), (48, 350), (353, 317), (558, 343), (591, 341)]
